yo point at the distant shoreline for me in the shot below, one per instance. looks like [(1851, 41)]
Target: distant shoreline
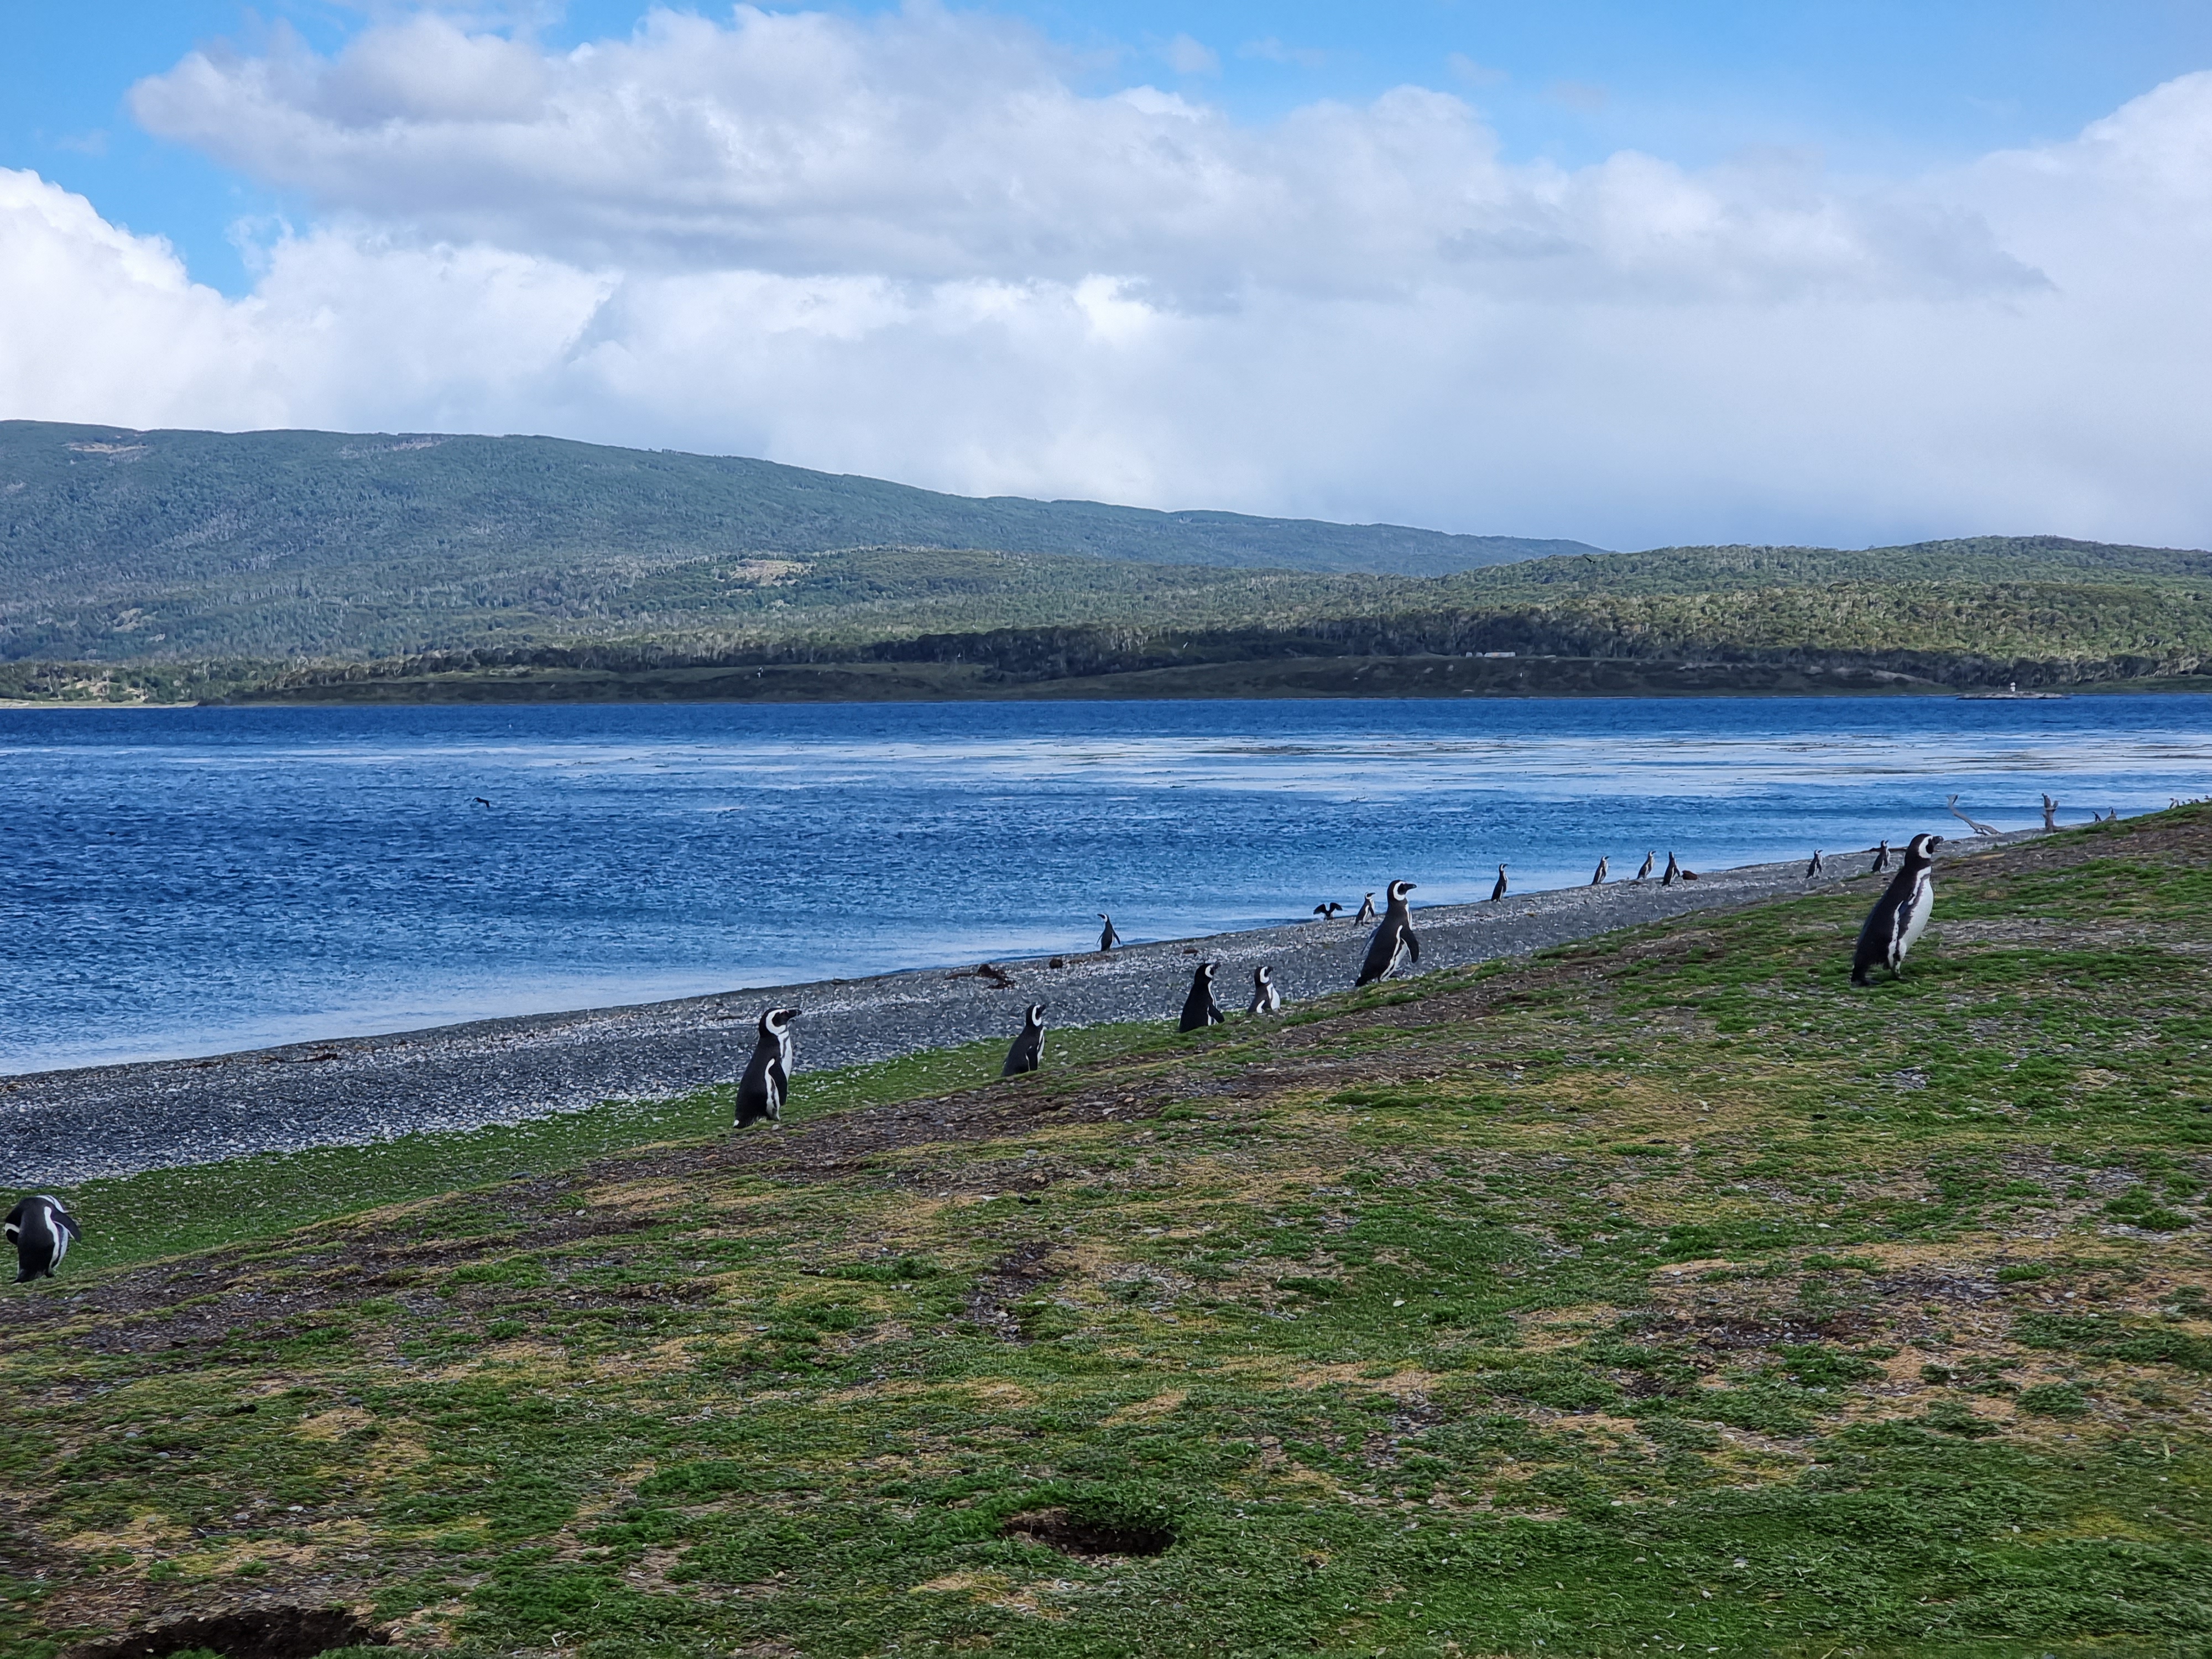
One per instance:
[(1432, 678)]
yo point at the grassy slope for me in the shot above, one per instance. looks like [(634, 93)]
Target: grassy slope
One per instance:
[(1659, 1294)]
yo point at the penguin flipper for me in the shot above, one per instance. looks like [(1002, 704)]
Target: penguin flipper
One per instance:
[(69, 1225), (1413, 947)]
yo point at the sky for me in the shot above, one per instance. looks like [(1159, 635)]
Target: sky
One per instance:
[(1638, 274)]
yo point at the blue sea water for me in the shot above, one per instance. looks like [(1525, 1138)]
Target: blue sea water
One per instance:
[(191, 881)]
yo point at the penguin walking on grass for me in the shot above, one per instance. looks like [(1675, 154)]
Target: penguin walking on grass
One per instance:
[(1880, 859), (1394, 939), (1813, 868), (1366, 909), (1199, 1009), (1028, 1053), (1499, 891), (1900, 915), (1674, 870), (1604, 864), (766, 1082), (1644, 874), (1108, 939), (1266, 999), (42, 1229)]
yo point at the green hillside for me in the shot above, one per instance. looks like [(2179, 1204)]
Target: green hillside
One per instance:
[(114, 544), (1660, 1294)]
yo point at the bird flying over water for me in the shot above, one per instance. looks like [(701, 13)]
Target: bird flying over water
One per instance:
[(479, 801)]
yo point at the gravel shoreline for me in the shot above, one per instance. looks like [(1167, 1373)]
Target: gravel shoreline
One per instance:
[(60, 1127)]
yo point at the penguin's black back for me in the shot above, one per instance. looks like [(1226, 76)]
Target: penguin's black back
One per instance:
[(1886, 923), (1198, 1008)]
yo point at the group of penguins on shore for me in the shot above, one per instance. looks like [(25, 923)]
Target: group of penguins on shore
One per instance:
[(42, 1229), (1891, 928)]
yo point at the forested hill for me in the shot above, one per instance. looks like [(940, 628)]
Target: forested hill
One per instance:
[(77, 501)]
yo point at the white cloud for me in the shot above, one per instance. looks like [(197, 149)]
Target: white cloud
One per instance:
[(1188, 57), (912, 248)]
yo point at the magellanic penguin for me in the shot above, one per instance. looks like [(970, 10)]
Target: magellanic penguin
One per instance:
[(1672, 871), (1198, 1008), (1366, 909), (1108, 939), (1266, 999), (1813, 869), (1604, 864), (1644, 874), (1499, 891), (766, 1082), (1901, 913), (1394, 939), (1028, 1053), (1880, 859), (41, 1231)]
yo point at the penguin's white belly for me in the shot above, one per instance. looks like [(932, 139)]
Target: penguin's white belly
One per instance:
[(1915, 919)]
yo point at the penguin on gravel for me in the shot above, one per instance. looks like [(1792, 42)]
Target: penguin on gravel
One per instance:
[(1266, 999), (1674, 870), (1028, 1053), (1199, 1009), (1604, 865), (766, 1082), (1644, 874), (1366, 909), (1499, 891), (1880, 859), (1394, 939), (41, 1230), (1813, 868), (1108, 939), (1900, 915)]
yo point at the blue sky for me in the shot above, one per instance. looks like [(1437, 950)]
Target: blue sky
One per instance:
[(1634, 273), (1876, 86)]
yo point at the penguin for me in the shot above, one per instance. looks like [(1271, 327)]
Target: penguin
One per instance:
[(766, 1081), (1880, 859), (1394, 939), (1900, 915), (1604, 864), (1499, 891), (1644, 874), (1109, 939), (1813, 868), (1028, 1053), (41, 1231), (1366, 909), (2050, 812), (1327, 912), (1266, 999), (1198, 1008), (1672, 871)]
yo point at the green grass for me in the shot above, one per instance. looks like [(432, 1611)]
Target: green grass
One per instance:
[(1658, 1294)]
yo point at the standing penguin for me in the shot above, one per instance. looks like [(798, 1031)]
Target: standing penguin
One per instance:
[(1108, 939), (1880, 859), (1366, 909), (1604, 864), (1499, 891), (41, 1231), (1028, 1052), (1393, 940), (1266, 999), (1813, 868), (1198, 1008), (1902, 911), (766, 1082), (1644, 874), (1672, 871)]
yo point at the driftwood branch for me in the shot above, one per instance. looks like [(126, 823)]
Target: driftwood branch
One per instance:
[(1978, 829)]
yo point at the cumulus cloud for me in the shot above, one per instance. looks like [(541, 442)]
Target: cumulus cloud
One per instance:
[(915, 246)]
